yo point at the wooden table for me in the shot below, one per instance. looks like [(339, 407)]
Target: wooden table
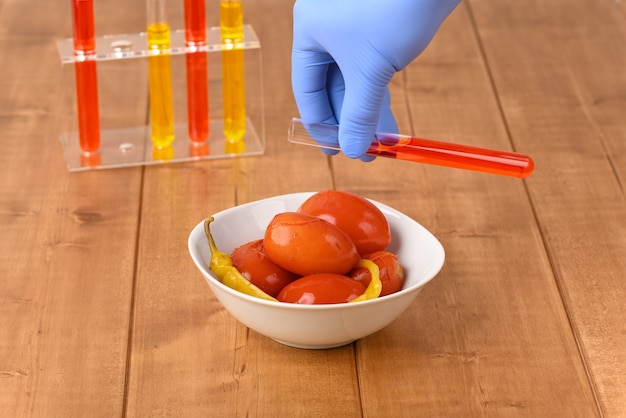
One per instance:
[(102, 312)]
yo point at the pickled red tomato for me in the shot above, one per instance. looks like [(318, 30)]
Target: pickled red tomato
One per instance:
[(390, 270), (356, 216), (305, 244), (252, 262), (321, 288)]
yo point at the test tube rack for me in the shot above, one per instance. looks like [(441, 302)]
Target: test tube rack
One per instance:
[(125, 137)]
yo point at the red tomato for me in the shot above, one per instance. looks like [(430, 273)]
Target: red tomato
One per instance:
[(254, 265), (321, 288), (391, 272), (305, 244), (356, 216)]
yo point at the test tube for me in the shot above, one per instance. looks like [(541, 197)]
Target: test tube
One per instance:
[(428, 151), (233, 75), (197, 77), (160, 75), (86, 75)]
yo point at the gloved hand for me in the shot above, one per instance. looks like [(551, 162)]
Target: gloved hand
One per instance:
[(345, 53)]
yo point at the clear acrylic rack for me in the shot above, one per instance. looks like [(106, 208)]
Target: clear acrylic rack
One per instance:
[(125, 138)]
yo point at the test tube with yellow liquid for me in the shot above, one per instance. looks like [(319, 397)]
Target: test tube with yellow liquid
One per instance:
[(160, 75), (233, 76)]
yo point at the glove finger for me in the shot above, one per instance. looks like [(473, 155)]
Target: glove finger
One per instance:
[(308, 81), (387, 122), (360, 112), (336, 91)]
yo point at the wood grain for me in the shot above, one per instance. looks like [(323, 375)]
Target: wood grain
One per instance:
[(569, 116), (68, 241), (493, 318), (227, 370), (102, 312)]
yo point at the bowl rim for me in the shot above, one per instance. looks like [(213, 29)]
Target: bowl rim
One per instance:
[(208, 274)]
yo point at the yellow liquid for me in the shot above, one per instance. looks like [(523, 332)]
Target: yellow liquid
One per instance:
[(160, 75), (231, 21), (162, 153), (233, 76)]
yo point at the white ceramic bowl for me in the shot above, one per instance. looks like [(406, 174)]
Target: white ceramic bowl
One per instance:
[(315, 326)]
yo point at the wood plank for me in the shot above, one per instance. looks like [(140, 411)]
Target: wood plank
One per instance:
[(68, 240), (562, 92), (489, 336), (226, 369), (525, 319)]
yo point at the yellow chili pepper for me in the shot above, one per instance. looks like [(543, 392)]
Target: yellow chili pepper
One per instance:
[(222, 266), (375, 287)]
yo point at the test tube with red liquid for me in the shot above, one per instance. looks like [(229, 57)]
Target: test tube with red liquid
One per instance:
[(427, 151), (86, 75), (197, 73)]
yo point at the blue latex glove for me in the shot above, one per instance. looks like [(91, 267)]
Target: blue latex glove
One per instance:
[(345, 53)]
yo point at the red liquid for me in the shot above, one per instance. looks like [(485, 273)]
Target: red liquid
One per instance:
[(197, 72), (456, 156), (195, 22), (198, 149), (93, 159), (87, 105), (82, 15), (197, 96), (86, 75)]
